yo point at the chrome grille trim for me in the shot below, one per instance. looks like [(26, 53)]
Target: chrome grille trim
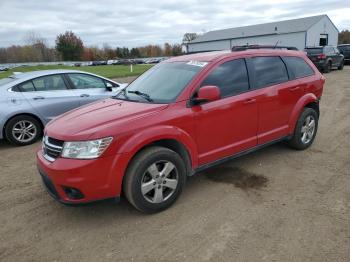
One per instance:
[(50, 150)]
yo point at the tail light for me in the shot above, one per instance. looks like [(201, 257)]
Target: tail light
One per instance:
[(321, 56)]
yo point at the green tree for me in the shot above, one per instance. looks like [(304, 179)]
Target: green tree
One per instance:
[(344, 37), (69, 46), (134, 53)]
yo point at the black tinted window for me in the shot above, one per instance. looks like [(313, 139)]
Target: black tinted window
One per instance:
[(269, 71), (231, 77), (314, 51), (26, 87), (298, 67), (49, 83)]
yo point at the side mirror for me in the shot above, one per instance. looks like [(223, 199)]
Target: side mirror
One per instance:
[(109, 86), (206, 94)]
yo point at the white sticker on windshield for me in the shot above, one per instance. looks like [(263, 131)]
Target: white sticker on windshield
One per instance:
[(197, 63)]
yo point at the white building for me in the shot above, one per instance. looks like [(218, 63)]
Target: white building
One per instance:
[(302, 32)]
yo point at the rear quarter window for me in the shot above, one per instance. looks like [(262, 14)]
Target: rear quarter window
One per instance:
[(297, 67), (268, 70)]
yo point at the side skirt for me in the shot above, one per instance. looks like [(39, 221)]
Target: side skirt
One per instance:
[(228, 158)]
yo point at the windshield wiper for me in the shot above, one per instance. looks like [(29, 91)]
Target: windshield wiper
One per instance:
[(144, 95)]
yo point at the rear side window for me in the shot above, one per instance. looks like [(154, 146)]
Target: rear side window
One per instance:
[(49, 83), (231, 77), (269, 71), (25, 87), (314, 51), (297, 67)]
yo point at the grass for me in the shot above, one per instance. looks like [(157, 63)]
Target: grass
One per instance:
[(109, 71)]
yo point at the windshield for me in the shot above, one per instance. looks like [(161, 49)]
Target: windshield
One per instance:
[(313, 51), (162, 83)]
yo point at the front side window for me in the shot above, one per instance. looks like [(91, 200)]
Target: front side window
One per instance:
[(49, 83), (298, 67), (163, 82), (231, 78), (269, 70), (82, 81)]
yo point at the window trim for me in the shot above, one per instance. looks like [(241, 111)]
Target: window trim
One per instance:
[(219, 64), (253, 73)]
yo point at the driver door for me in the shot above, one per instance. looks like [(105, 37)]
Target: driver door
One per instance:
[(229, 125)]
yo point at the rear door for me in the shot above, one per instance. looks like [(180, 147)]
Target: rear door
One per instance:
[(49, 95), (91, 88), (276, 96)]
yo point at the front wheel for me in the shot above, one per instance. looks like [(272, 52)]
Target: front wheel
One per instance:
[(305, 129), (154, 179), (23, 130)]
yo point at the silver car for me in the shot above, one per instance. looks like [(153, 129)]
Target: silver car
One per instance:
[(28, 101)]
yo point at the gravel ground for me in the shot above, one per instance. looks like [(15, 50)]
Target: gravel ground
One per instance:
[(273, 205)]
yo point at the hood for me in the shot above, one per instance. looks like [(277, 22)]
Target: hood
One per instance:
[(100, 119)]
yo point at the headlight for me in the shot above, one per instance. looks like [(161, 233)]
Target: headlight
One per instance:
[(85, 149)]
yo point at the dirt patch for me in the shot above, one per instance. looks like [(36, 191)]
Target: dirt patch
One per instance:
[(237, 176)]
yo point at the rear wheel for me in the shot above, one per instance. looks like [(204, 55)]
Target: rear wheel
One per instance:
[(341, 66), (305, 129), (328, 67), (23, 130), (154, 179)]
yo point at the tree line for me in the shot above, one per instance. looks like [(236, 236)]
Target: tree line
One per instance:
[(70, 47)]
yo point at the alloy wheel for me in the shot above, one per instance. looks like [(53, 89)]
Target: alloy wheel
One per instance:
[(159, 182), (308, 129), (24, 131)]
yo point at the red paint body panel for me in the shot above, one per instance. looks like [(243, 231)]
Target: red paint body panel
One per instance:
[(209, 132)]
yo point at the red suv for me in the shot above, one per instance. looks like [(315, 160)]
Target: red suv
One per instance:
[(180, 117)]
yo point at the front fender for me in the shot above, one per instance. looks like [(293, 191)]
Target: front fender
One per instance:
[(303, 101), (150, 135)]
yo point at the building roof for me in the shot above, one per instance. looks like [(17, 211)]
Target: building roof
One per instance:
[(280, 27)]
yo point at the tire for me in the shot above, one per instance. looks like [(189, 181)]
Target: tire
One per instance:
[(145, 171), (23, 130), (328, 67), (300, 141), (341, 66)]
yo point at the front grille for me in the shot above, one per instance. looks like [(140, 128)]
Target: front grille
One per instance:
[(52, 148)]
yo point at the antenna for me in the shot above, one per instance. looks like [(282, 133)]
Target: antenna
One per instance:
[(276, 44)]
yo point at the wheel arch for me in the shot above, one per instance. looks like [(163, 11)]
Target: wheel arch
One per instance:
[(308, 100)]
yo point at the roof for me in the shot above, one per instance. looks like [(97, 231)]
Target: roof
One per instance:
[(32, 74), (281, 27), (216, 55)]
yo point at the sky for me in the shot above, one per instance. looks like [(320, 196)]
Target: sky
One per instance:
[(136, 23)]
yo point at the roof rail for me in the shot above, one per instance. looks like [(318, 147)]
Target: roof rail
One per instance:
[(247, 47)]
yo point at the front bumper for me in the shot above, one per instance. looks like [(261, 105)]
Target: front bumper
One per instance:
[(95, 179)]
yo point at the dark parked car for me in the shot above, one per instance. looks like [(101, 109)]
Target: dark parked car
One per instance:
[(325, 57), (345, 51)]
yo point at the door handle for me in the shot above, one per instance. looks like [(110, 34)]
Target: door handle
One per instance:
[(38, 98), (84, 95), (296, 88), (249, 101)]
